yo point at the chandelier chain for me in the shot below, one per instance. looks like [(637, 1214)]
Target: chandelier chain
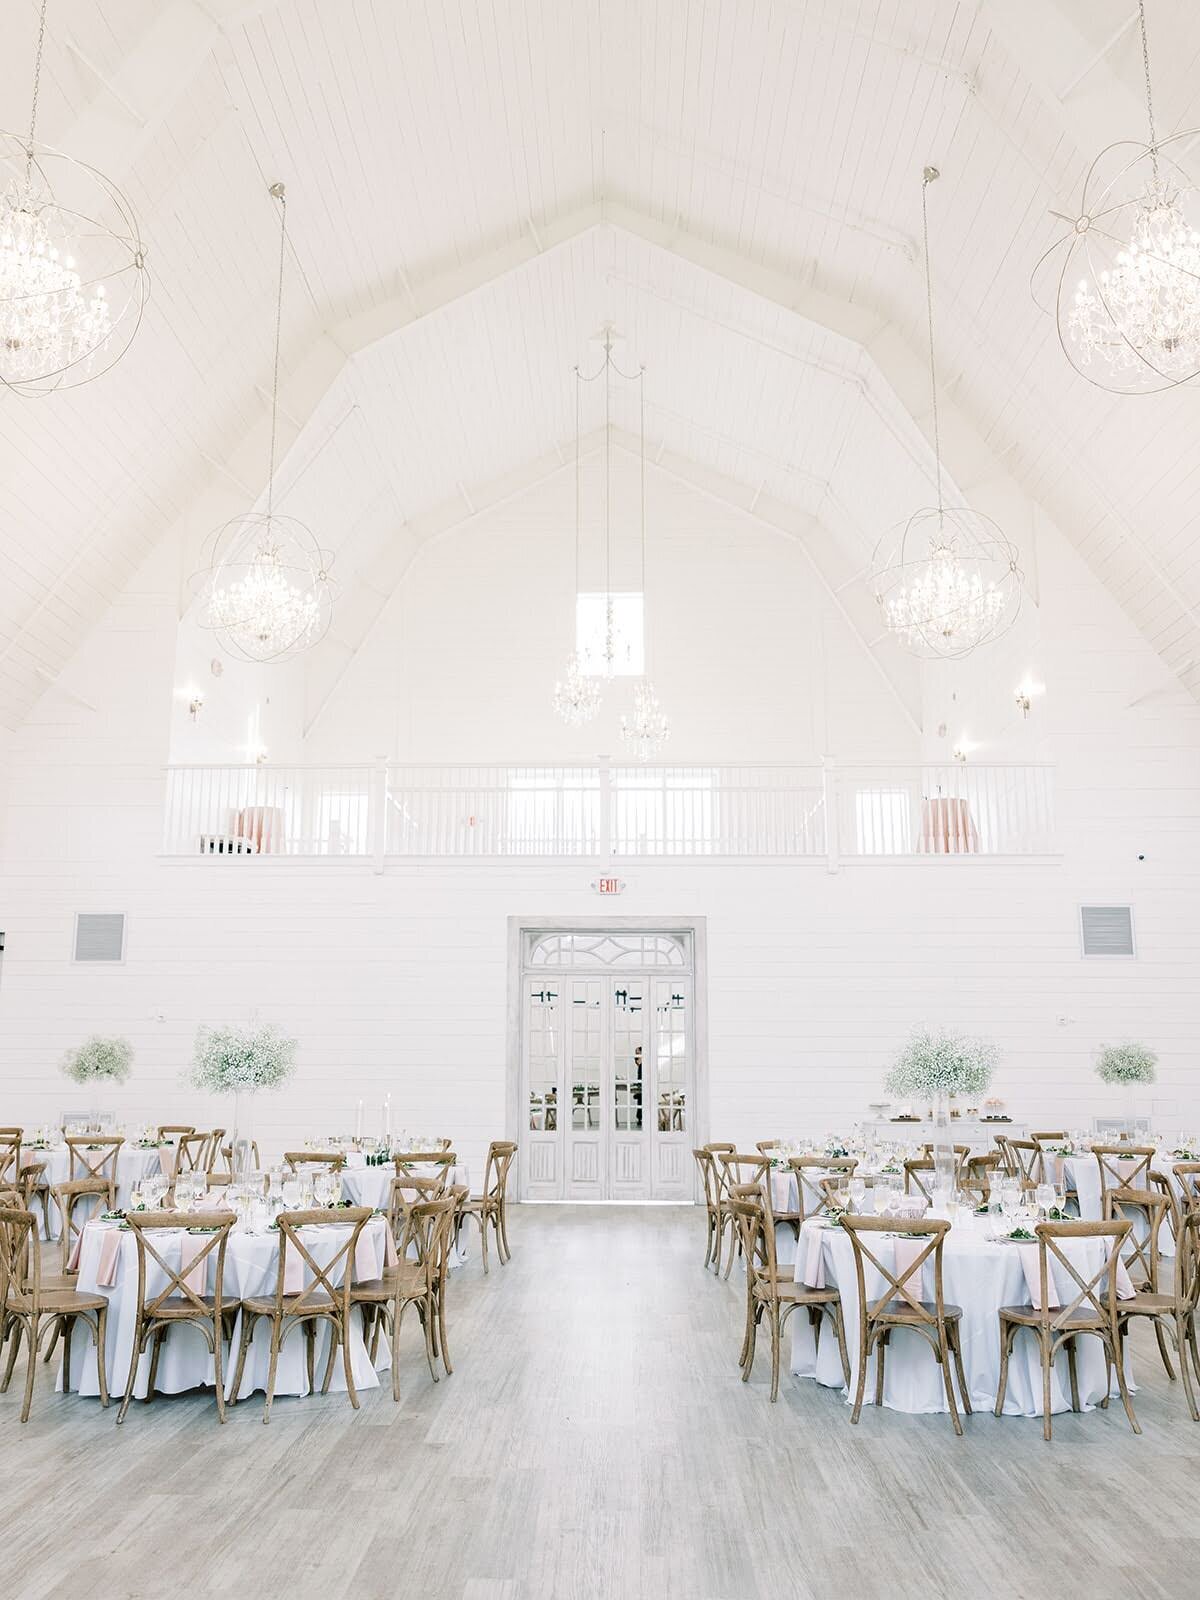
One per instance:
[(933, 388), (37, 82), (277, 192), (1149, 93)]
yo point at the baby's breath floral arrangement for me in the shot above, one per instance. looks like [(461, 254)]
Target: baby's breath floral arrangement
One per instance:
[(233, 1060), (99, 1060), (935, 1062), (1126, 1063)]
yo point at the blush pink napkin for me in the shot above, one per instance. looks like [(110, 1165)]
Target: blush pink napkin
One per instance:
[(814, 1260), (166, 1160), (907, 1251), (73, 1258), (110, 1255), (197, 1279)]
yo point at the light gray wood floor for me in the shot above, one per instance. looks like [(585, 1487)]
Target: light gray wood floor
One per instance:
[(595, 1441)]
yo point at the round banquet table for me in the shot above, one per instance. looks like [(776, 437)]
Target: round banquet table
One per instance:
[(372, 1186), (133, 1164), (980, 1276), (785, 1196), (251, 1268)]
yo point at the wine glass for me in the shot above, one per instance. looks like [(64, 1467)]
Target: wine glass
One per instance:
[(1010, 1203), (1045, 1197), (881, 1198), (858, 1192), (290, 1191)]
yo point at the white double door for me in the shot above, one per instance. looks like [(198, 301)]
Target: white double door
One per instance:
[(608, 1086)]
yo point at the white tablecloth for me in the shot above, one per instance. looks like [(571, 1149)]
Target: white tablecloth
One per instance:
[(372, 1186), (978, 1275), (1082, 1177), (132, 1164), (251, 1267)]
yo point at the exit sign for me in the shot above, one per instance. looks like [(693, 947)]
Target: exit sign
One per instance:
[(608, 885)]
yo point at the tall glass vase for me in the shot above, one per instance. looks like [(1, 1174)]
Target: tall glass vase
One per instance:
[(944, 1163), (1129, 1110), (241, 1135)]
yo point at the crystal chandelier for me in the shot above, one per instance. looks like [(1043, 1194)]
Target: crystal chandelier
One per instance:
[(949, 580), (73, 280), (1127, 290), (266, 591), (645, 733), (577, 696)]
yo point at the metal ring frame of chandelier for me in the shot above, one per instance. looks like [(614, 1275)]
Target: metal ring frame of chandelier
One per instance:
[(946, 582), (265, 589), (82, 312), (1128, 319)]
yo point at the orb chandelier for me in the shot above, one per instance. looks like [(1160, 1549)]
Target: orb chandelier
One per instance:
[(948, 580), (648, 729), (1127, 281), (73, 279), (266, 591)]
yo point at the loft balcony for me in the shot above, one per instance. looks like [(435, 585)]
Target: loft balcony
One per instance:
[(606, 812)]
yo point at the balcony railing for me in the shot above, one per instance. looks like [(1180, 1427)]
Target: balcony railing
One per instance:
[(604, 812)]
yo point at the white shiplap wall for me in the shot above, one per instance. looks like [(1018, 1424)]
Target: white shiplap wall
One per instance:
[(399, 982)]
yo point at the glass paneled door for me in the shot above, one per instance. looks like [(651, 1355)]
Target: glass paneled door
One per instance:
[(608, 1075)]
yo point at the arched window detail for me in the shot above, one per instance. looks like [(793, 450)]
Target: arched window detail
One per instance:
[(644, 951)]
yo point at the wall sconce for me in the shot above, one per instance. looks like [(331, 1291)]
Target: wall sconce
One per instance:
[(960, 754), (196, 706), (260, 756), (1023, 702)]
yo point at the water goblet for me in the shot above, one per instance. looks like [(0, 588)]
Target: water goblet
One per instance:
[(858, 1192), (881, 1198), (290, 1192), (1044, 1195)]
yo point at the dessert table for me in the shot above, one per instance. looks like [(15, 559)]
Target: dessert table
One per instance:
[(980, 1275), (973, 1131), (108, 1266)]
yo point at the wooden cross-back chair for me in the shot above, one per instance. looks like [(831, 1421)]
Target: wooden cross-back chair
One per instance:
[(191, 1156), (1174, 1311), (1122, 1166), (216, 1148), (443, 1163), (30, 1309), (88, 1195), (900, 1305), (918, 1177), (710, 1183), (714, 1150), (1092, 1309), (293, 1159), (172, 1130), (1009, 1164), (1054, 1136), (10, 1155), (1027, 1157), (1187, 1179), (324, 1300), (739, 1168), (490, 1206), (419, 1279), (815, 1199), (177, 1302), (95, 1155), (770, 1295)]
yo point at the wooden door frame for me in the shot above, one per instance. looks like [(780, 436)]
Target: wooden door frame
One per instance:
[(518, 927)]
